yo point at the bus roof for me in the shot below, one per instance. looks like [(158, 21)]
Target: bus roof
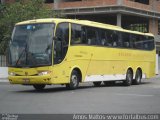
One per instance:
[(82, 22)]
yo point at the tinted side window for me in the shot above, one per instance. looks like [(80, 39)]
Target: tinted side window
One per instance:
[(114, 37), (148, 43), (76, 34), (120, 39), (84, 35), (109, 38), (91, 35), (102, 38), (139, 42), (126, 40)]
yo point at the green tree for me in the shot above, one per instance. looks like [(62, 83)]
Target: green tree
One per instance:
[(20, 11)]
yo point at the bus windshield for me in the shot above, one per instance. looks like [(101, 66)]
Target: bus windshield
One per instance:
[(31, 45)]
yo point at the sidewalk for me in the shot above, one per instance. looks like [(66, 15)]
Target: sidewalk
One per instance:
[(4, 80)]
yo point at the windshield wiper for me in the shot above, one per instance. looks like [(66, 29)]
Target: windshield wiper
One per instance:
[(25, 49)]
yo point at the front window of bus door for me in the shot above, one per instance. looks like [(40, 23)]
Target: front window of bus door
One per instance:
[(61, 43)]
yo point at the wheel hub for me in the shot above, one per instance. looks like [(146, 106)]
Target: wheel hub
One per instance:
[(74, 80)]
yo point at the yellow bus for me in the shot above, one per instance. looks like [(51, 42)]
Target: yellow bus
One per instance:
[(64, 51)]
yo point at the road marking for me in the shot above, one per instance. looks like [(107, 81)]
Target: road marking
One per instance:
[(139, 95)]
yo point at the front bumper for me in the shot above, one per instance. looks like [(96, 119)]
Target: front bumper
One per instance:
[(30, 80)]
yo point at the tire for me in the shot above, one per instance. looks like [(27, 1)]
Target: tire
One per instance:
[(109, 83), (39, 87), (97, 84), (129, 78), (138, 77), (74, 80)]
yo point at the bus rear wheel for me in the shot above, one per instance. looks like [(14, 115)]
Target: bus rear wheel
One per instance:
[(97, 84), (39, 87), (129, 78), (74, 80), (138, 77)]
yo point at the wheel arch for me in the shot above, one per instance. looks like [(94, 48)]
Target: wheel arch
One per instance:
[(78, 71), (130, 68)]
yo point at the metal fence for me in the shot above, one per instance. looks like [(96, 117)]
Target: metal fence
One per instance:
[(3, 61)]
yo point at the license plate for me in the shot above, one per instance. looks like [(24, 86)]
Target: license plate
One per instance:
[(26, 80)]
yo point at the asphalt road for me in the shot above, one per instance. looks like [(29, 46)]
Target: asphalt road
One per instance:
[(144, 98)]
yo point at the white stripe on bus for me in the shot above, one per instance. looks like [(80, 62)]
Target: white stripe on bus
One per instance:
[(92, 78)]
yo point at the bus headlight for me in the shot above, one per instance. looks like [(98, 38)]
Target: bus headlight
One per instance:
[(11, 74), (40, 73)]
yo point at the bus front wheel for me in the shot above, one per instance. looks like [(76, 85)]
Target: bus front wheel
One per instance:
[(39, 87), (129, 78), (74, 80)]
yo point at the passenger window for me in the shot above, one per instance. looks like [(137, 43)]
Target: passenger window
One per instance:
[(91, 35), (126, 40), (139, 42), (76, 34), (109, 38), (102, 38), (84, 35), (148, 43), (131, 40), (114, 39), (120, 39)]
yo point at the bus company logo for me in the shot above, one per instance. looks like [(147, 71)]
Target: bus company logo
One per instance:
[(26, 73)]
